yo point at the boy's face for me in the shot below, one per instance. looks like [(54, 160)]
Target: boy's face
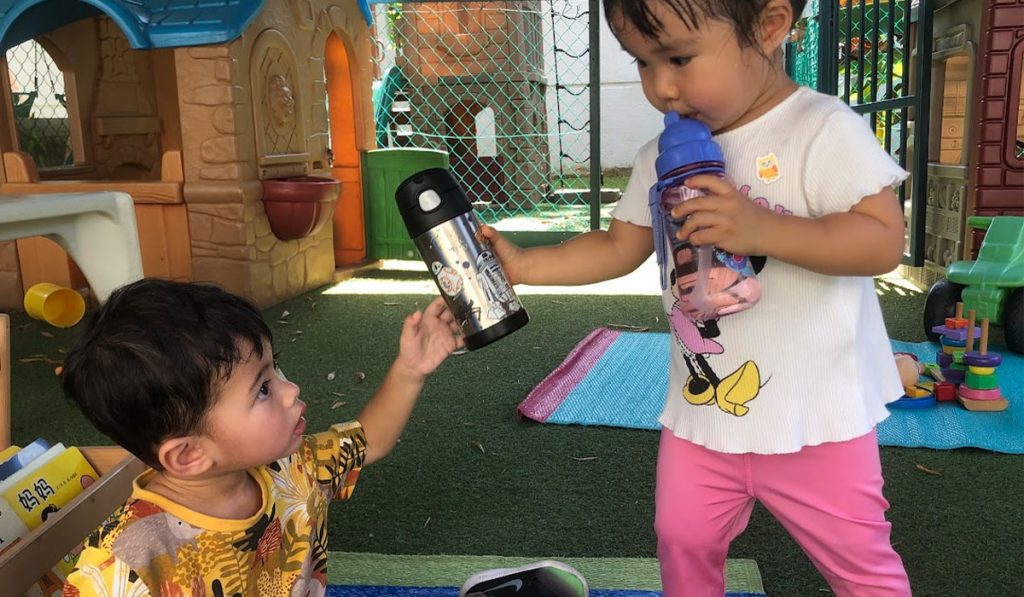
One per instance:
[(702, 74), (257, 417)]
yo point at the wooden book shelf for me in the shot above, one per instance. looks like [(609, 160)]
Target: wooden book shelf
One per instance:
[(36, 553)]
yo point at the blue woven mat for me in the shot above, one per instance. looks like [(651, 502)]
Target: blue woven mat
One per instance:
[(619, 379)]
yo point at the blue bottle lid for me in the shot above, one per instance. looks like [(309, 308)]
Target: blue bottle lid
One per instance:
[(685, 141)]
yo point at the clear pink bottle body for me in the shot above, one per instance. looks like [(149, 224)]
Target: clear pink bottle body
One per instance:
[(711, 282)]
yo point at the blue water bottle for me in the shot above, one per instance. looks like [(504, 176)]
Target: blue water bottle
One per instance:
[(711, 282)]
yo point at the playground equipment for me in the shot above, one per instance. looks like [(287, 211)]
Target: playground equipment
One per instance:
[(200, 112), (98, 230), (969, 374), (992, 285)]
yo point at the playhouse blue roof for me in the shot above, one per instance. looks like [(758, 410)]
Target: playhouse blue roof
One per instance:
[(146, 23)]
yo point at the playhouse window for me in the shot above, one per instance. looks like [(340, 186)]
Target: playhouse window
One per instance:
[(40, 105), (486, 142), (953, 110)]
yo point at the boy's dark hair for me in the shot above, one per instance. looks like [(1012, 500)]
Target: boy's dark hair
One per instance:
[(742, 14), (148, 365)]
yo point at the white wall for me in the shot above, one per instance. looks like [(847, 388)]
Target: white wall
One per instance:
[(627, 120)]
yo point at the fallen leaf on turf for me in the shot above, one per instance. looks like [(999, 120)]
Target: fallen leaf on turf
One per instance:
[(479, 446), (330, 376), (626, 327), (925, 469), (338, 404), (39, 359), (584, 458)]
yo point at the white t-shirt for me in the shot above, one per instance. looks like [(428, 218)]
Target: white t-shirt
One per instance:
[(811, 362)]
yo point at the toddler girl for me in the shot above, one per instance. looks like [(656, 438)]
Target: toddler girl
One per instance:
[(778, 403)]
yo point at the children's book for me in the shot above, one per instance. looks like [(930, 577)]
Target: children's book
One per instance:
[(29, 496), (11, 526), (14, 458), (46, 484)]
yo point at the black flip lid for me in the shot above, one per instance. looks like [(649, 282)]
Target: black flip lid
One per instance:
[(453, 202)]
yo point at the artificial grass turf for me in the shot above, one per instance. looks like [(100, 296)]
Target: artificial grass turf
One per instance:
[(470, 478)]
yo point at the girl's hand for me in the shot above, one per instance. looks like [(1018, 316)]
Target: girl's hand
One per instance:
[(428, 337), (507, 253), (724, 218)]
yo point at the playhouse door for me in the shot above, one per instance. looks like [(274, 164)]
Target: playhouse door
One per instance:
[(349, 237)]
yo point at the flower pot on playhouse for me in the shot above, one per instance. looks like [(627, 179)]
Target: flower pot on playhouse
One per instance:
[(298, 206)]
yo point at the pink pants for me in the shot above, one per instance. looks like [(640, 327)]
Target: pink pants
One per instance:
[(829, 498)]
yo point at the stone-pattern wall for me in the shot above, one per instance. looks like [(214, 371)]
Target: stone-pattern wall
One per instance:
[(124, 95), (227, 141), (231, 241), (215, 136)]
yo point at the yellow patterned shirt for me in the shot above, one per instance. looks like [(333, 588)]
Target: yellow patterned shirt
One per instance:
[(152, 546)]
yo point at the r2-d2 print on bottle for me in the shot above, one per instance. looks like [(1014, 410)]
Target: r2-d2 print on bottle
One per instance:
[(443, 227)]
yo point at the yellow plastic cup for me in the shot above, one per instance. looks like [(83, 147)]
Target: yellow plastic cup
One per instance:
[(56, 305)]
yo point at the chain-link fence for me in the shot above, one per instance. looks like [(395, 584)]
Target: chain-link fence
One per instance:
[(504, 89), (40, 105)]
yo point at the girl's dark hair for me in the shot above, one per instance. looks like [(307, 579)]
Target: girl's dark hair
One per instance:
[(149, 364), (742, 14)]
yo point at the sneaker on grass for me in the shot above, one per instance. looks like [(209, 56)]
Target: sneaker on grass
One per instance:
[(546, 578)]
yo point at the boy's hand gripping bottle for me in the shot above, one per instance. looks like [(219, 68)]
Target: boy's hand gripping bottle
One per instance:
[(711, 282), (444, 228)]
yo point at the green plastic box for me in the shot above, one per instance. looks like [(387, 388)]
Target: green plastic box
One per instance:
[(383, 171)]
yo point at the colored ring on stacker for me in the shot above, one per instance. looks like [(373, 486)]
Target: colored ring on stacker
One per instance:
[(972, 394), (947, 341), (975, 358), (981, 370), (981, 382), (953, 375)]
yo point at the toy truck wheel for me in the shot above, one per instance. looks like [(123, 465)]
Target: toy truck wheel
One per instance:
[(1013, 321), (940, 304)]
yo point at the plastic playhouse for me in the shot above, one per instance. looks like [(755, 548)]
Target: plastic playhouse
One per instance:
[(235, 127)]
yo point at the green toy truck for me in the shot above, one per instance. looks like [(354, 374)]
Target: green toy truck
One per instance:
[(993, 285)]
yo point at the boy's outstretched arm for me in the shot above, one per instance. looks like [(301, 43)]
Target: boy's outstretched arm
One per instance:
[(427, 338), (590, 257)]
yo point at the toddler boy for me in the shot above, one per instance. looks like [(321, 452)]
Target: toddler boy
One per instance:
[(183, 376)]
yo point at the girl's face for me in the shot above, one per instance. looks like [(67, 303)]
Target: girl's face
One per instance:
[(702, 74)]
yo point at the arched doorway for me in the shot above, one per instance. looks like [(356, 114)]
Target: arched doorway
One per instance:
[(472, 150), (349, 236)]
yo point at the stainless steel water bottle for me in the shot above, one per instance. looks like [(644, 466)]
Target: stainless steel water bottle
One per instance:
[(441, 223)]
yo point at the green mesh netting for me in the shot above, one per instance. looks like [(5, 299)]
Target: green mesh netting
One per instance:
[(40, 105), (503, 88)]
